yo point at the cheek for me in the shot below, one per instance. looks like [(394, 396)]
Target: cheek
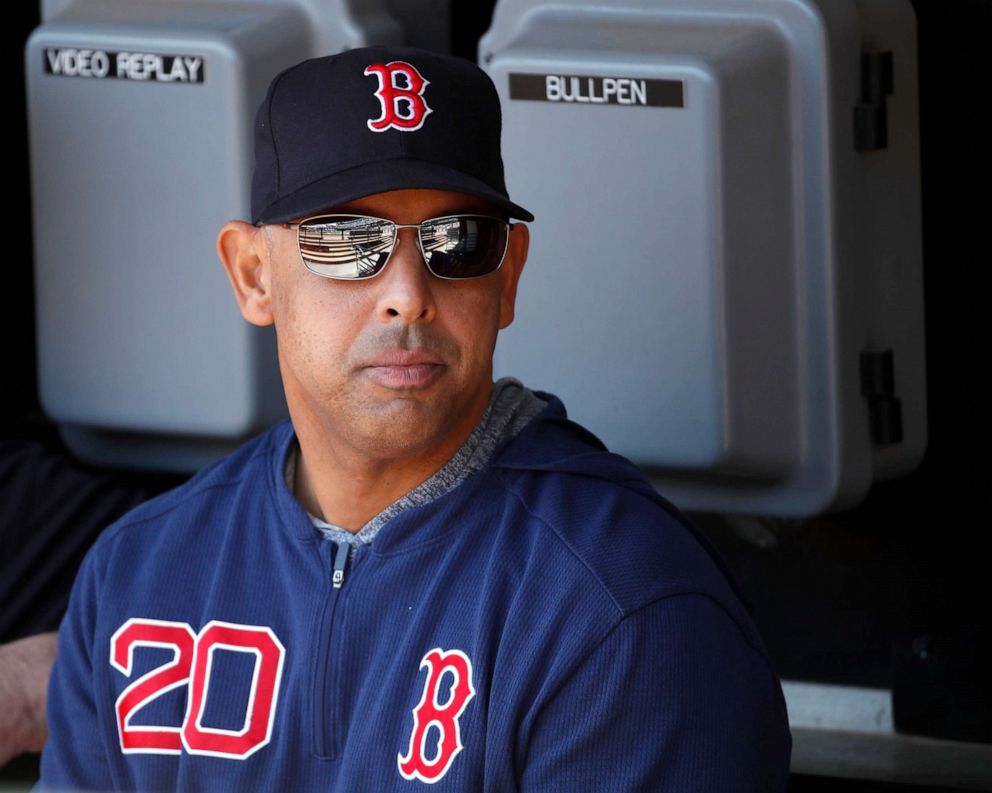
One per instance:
[(474, 320), (315, 329)]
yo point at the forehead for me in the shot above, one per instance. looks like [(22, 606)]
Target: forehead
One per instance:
[(414, 206)]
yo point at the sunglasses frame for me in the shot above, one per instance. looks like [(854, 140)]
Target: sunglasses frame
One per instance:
[(396, 229)]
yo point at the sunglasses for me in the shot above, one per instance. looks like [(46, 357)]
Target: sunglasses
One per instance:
[(355, 247)]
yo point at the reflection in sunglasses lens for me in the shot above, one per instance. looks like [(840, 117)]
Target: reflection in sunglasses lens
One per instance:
[(346, 247), (464, 247)]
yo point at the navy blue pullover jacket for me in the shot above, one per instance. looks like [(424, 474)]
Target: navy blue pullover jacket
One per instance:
[(551, 624)]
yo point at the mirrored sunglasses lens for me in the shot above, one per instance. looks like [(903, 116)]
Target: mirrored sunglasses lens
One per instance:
[(464, 247), (345, 247)]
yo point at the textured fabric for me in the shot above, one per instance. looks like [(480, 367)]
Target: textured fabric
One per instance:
[(511, 407), (587, 636)]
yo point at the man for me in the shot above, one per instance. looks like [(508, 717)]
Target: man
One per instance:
[(424, 578)]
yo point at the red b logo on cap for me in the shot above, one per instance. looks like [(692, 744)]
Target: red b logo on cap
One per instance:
[(403, 105)]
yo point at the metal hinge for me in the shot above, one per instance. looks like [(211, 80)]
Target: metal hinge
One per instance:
[(878, 387), (871, 124)]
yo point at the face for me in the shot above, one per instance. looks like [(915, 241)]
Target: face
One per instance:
[(399, 365)]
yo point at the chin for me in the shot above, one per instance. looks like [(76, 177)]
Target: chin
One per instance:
[(413, 427)]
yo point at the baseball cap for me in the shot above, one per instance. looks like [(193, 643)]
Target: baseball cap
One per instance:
[(371, 120)]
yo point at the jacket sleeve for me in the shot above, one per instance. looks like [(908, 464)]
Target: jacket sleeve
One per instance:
[(75, 755), (674, 699)]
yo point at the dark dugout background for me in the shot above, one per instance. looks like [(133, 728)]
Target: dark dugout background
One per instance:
[(850, 598)]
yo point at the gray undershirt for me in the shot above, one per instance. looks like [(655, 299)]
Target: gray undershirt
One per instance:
[(511, 407)]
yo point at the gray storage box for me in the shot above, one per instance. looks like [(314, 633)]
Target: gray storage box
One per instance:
[(140, 131), (720, 236)]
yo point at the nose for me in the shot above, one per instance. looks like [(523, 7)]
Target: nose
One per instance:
[(406, 288)]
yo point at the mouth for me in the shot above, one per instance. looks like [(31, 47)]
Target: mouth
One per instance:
[(404, 370)]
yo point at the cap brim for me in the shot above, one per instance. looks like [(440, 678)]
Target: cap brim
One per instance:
[(381, 177)]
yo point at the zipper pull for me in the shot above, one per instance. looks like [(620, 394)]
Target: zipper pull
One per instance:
[(340, 562)]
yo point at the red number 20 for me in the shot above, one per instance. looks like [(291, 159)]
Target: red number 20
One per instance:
[(191, 665)]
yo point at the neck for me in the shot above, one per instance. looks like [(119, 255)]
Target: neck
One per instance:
[(348, 493), (347, 486)]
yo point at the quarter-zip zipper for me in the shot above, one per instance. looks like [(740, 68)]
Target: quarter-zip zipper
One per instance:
[(325, 703), (340, 563)]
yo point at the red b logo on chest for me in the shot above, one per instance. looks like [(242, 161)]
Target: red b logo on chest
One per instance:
[(401, 94), (449, 677)]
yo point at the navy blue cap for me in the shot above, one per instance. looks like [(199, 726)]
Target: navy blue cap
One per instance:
[(376, 119)]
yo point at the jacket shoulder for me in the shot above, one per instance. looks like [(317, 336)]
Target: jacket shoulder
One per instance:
[(636, 546), (220, 481)]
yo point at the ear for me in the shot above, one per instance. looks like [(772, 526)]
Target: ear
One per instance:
[(509, 273), (244, 252)]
